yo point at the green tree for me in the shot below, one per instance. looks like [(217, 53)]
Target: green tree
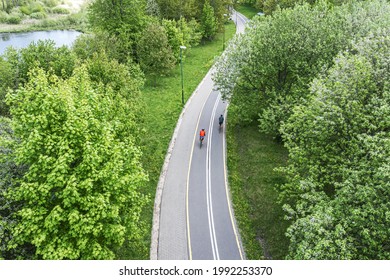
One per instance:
[(191, 32), (10, 175), (221, 7), (270, 6), (61, 61), (152, 8), (7, 80), (181, 33), (124, 19), (156, 56), (124, 81), (82, 192), (114, 16), (15, 65), (339, 146), (176, 9), (87, 45), (174, 36), (208, 21), (280, 55)]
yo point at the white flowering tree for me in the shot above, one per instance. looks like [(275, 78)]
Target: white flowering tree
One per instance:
[(268, 70), (339, 149)]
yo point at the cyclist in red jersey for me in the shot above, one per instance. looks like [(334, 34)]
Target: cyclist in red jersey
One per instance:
[(202, 134)]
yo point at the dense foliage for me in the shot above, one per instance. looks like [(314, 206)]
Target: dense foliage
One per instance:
[(124, 19), (182, 33), (176, 9), (7, 74), (269, 68), (270, 6), (10, 173), (80, 197), (16, 64), (209, 25), (316, 76), (68, 157), (155, 54), (72, 186), (87, 45), (128, 20), (339, 145)]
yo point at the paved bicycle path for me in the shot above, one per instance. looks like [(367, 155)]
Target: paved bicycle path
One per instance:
[(211, 230), (170, 234)]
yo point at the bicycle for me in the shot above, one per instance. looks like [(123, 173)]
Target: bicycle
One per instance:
[(201, 141)]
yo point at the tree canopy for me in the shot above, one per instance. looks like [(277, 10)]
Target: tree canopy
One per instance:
[(155, 54), (339, 146), (208, 21), (81, 195), (270, 71), (71, 184), (317, 78), (125, 19)]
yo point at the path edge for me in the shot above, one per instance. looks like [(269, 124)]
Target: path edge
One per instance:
[(164, 169)]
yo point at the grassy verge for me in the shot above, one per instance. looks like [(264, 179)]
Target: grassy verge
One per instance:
[(163, 106), (247, 10), (252, 157)]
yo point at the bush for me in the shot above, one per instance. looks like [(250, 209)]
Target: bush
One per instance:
[(31, 8), (3, 17), (38, 15), (14, 19), (50, 3), (76, 19), (36, 8), (194, 32), (25, 10), (60, 10), (87, 44)]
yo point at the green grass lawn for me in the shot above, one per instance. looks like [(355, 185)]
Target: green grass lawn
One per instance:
[(163, 106), (252, 157)]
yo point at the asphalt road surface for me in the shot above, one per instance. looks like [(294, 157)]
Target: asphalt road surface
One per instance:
[(193, 216), (211, 230)]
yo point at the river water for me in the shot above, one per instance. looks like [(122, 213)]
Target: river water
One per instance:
[(22, 40)]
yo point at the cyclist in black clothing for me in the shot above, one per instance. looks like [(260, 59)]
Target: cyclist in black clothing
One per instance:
[(221, 121)]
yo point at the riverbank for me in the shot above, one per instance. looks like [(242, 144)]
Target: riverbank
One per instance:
[(69, 15), (68, 23)]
